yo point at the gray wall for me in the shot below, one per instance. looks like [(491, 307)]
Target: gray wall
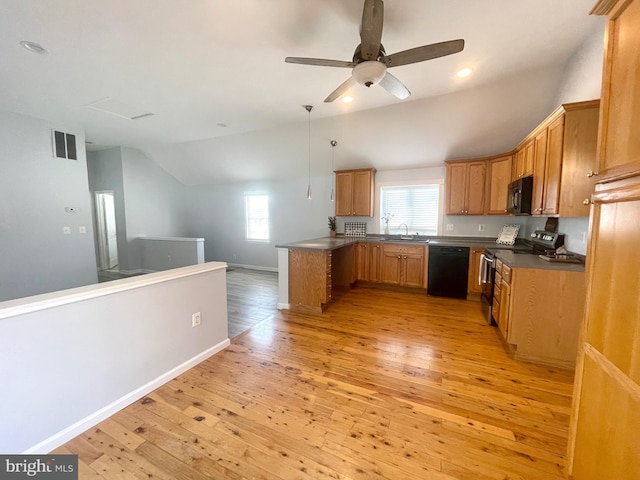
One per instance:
[(105, 173), (216, 213), (154, 204), (35, 188)]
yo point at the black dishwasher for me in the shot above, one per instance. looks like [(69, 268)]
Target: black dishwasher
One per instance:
[(448, 271)]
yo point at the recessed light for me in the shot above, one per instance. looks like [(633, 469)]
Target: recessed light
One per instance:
[(34, 47), (347, 99), (465, 72)]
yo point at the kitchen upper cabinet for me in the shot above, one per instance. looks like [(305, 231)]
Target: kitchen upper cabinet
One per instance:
[(465, 187), (355, 192), (619, 142), (403, 265), (523, 161), (603, 433), (498, 179), (564, 153)]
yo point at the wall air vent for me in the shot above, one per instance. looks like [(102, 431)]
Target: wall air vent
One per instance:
[(64, 145)]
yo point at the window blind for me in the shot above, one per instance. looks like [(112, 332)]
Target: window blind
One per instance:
[(415, 205)]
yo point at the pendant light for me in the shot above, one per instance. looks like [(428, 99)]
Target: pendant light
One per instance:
[(308, 108), (333, 148)]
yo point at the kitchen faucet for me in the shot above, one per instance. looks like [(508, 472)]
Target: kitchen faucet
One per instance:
[(406, 229)]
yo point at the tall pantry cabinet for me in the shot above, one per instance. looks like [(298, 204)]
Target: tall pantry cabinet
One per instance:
[(605, 418)]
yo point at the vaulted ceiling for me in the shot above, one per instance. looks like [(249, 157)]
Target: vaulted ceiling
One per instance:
[(226, 107)]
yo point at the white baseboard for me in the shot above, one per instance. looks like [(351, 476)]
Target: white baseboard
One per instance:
[(131, 272), (283, 306), (254, 267), (93, 419)]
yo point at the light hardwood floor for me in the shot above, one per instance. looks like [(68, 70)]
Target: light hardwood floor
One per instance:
[(383, 385)]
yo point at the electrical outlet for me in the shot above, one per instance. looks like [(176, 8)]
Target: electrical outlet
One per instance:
[(481, 227), (82, 229), (66, 230), (449, 227), (196, 319)]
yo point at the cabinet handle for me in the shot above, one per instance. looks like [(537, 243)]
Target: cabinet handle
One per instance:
[(377, 246), (592, 174), (405, 256), (586, 201)]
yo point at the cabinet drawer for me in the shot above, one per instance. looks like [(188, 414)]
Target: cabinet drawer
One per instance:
[(499, 265), (506, 274), (496, 288), (495, 311), (403, 249)]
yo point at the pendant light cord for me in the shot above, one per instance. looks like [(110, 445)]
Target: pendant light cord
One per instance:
[(308, 108)]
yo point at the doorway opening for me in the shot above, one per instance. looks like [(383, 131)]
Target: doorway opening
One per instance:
[(106, 235)]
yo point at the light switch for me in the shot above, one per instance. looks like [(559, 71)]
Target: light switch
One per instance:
[(82, 229), (66, 230), (449, 226)]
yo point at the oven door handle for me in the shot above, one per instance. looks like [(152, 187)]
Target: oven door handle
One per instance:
[(486, 264)]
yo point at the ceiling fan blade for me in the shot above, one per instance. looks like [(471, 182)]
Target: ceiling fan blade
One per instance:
[(341, 90), (426, 52), (371, 29), (394, 86), (321, 62)]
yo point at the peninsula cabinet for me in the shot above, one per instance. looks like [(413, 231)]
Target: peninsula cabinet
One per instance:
[(465, 187), (403, 265), (498, 179), (605, 419), (540, 312), (355, 192)]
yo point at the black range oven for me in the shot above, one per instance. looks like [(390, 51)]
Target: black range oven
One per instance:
[(487, 275)]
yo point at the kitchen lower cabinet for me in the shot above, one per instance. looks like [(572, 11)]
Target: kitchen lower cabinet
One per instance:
[(474, 287), (540, 312), (368, 262), (403, 265)]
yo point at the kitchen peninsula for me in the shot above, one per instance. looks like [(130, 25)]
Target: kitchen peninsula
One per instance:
[(531, 328)]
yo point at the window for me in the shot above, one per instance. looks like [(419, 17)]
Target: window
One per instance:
[(415, 205), (257, 216)]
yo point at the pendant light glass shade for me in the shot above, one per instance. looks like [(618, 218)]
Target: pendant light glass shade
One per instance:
[(308, 108)]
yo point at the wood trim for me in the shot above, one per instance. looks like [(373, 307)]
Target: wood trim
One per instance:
[(480, 159), (604, 7), (626, 193), (614, 372), (370, 169)]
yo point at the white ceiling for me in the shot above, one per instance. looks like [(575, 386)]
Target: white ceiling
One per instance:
[(198, 63)]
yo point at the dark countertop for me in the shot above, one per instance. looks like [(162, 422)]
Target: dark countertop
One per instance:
[(523, 260), (503, 252)]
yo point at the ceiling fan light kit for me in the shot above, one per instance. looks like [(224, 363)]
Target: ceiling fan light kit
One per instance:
[(370, 61)]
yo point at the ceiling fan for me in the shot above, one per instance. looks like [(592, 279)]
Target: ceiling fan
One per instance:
[(370, 61)]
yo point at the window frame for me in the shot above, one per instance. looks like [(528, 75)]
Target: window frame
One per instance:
[(410, 183), (247, 218)]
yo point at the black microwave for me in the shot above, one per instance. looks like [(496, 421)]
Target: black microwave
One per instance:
[(519, 196)]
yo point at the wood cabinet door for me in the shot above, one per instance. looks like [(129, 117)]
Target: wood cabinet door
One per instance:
[(391, 267), (476, 188), (553, 167), (362, 262), (539, 163), (498, 179), (344, 192), (527, 168), (518, 164), (363, 194), (374, 262), (603, 436), (579, 162), (474, 285), (619, 142), (503, 316), (413, 270), (456, 188)]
